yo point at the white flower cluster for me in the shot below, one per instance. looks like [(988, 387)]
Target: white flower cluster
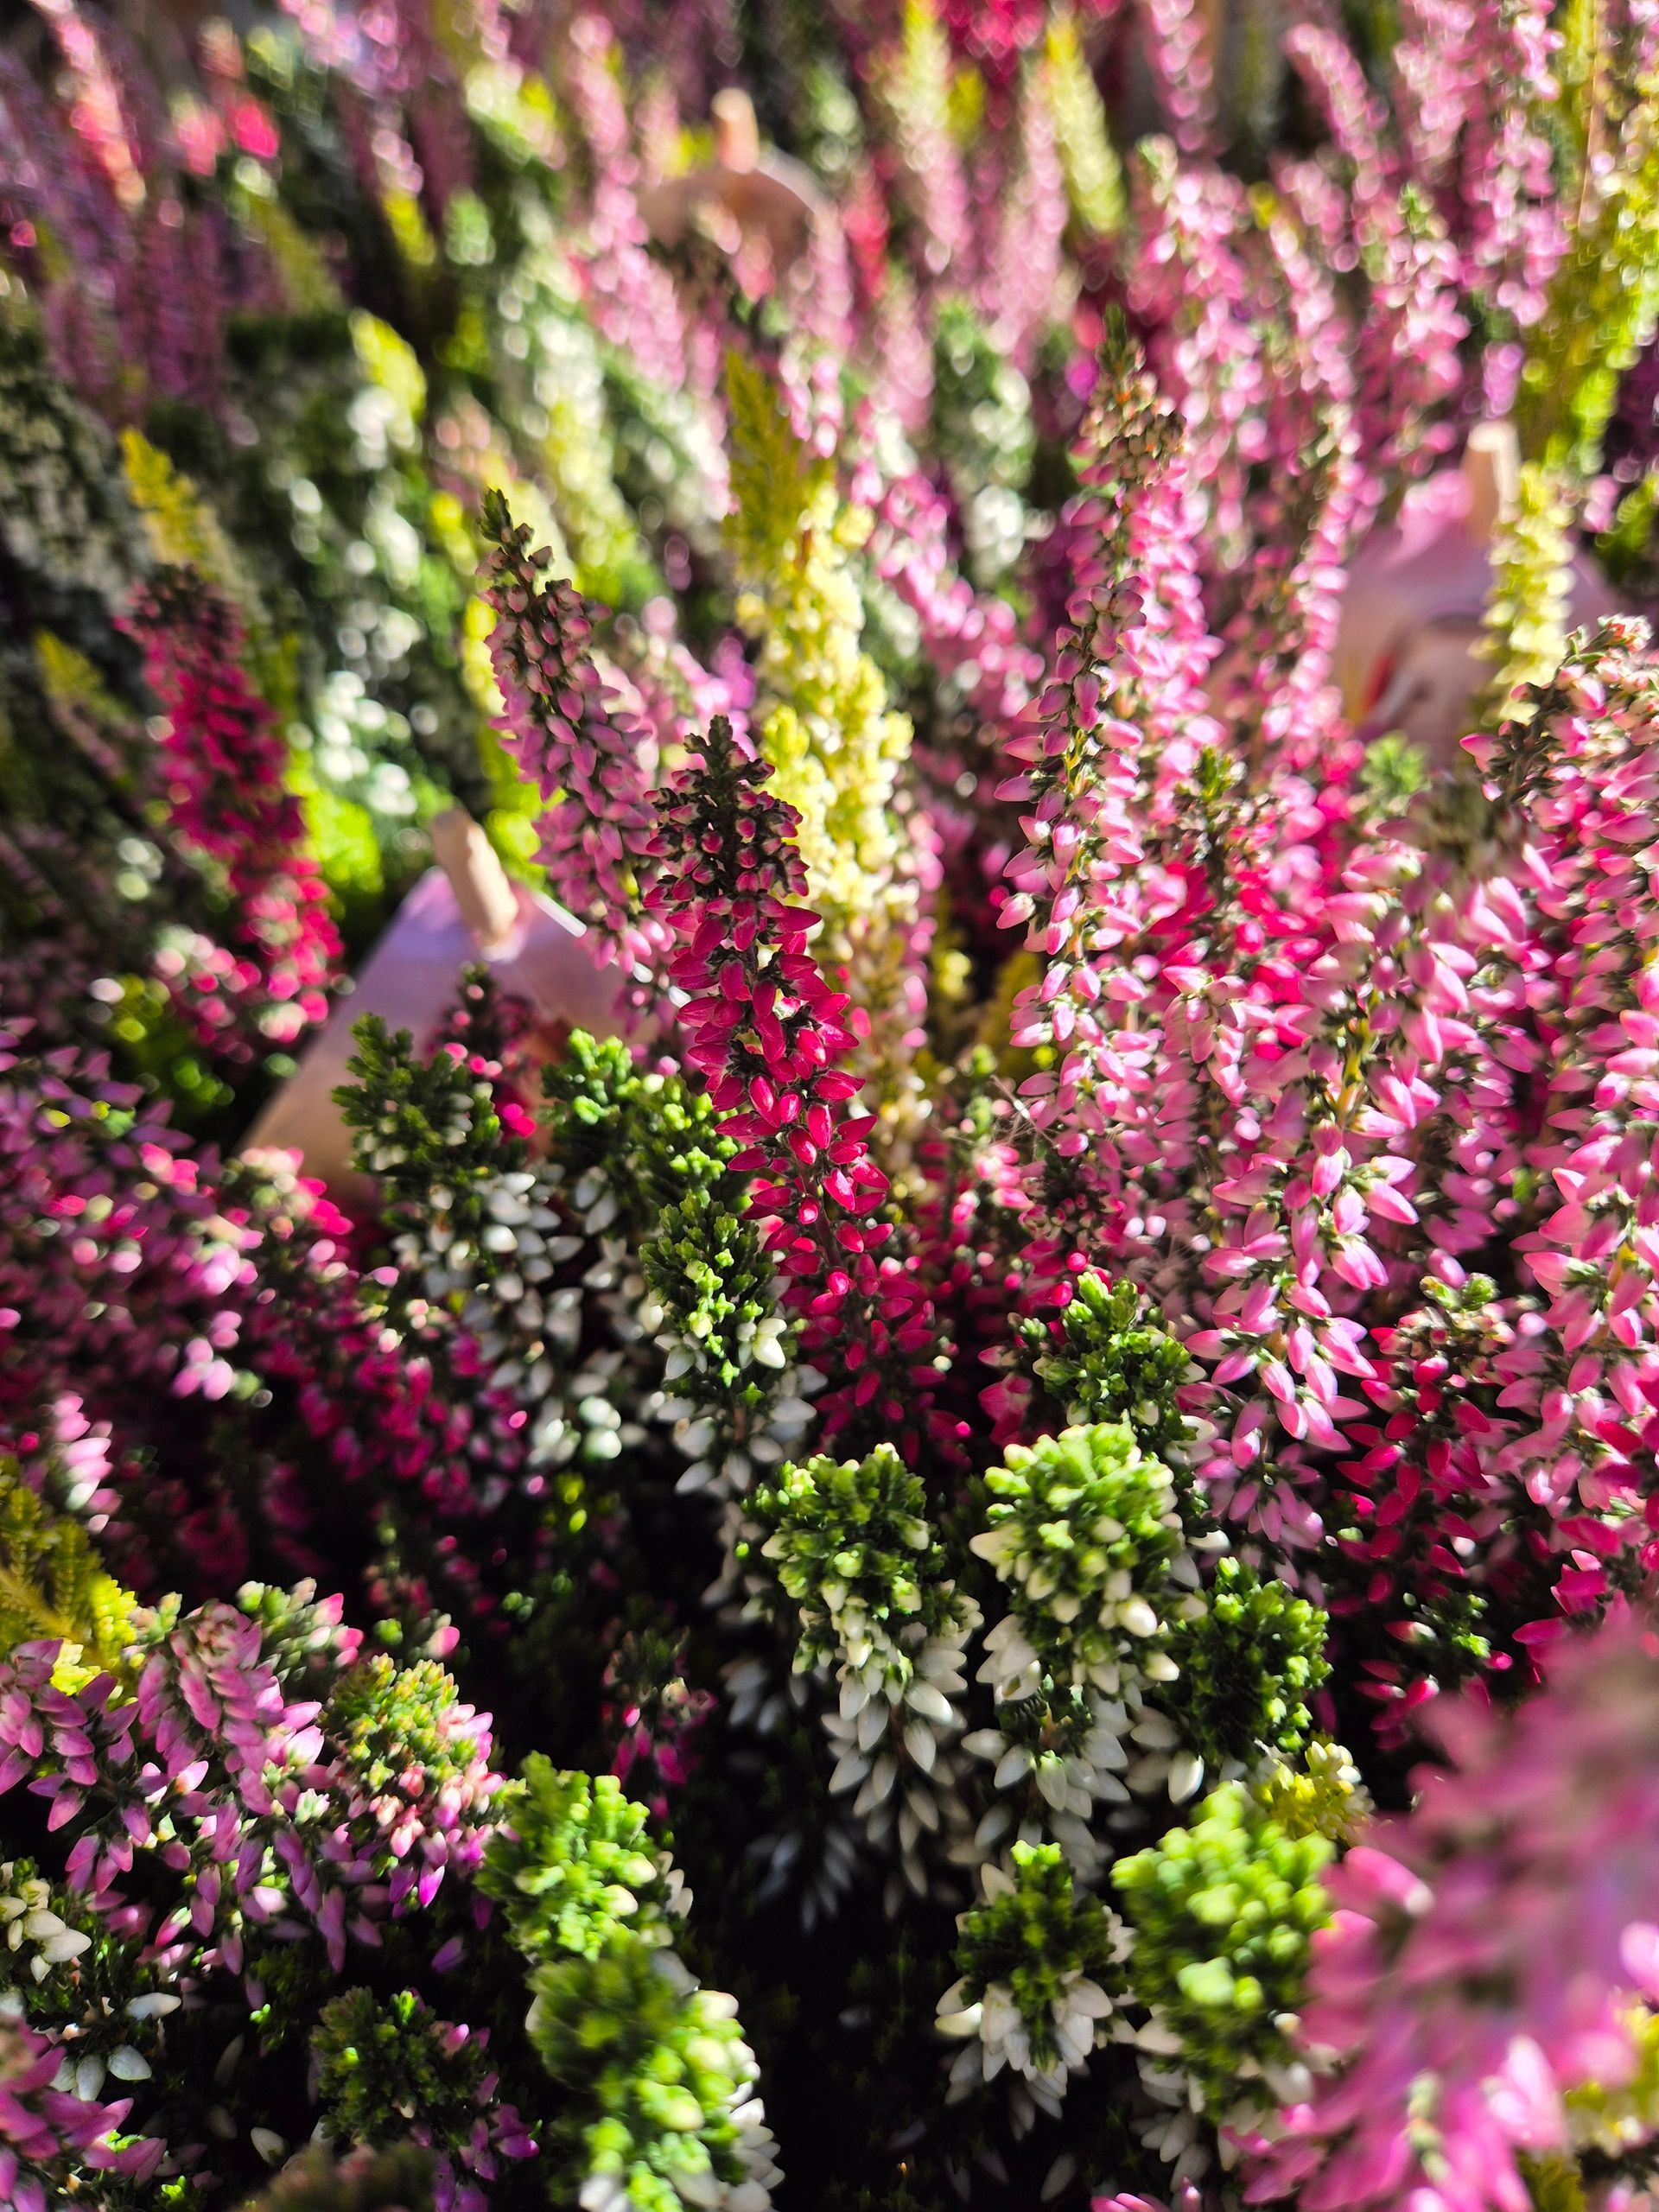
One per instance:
[(1073, 1666), (42, 1943), (1051, 1773), (1000, 2038), (60, 516), (528, 1327), (894, 1733)]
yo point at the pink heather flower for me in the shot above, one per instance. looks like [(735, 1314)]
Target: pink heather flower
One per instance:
[(632, 296), (149, 1302), (1485, 1950), (585, 753), (969, 637), (1408, 358), (655, 1716), (1510, 223), (1177, 47), (1018, 293), (45, 2135)]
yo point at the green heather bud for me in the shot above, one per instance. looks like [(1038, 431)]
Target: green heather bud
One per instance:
[(1085, 1530), (576, 1865), (851, 1546), (649, 2073), (379, 2062), (655, 1140), (708, 1271), (1324, 1795), (1106, 1359), (1036, 1962), (52, 1584), (1248, 1668), (1223, 1914)]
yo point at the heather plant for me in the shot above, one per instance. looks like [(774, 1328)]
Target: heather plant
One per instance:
[(1098, 1303)]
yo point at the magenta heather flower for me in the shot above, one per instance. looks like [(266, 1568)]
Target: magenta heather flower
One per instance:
[(222, 762), (765, 1032)]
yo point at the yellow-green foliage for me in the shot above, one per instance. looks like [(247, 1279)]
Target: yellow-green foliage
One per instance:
[(389, 364), (1553, 2182), (920, 87), (182, 529), (836, 745), (73, 686), (184, 532), (308, 285), (1323, 1797), (1094, 175), (1526, 613), (52, 1586), (1602, 309), (1603, 300)]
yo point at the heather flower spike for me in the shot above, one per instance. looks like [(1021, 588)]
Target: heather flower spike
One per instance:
[(583, 751)]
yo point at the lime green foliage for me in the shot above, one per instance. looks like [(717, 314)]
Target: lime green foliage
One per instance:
[(515, 111), (1035, 1939), (920, 84), (1094, 175), (1602, 309), (653, 1138), (398, 2180), (827, 726), (1553, 2182), (575, 1865), (341, 833), (1113, 1362), (391, 1719), (53, 1587), (1391, 775), (182, 529), (656, 1147), (1324, 1795), (852, 1547), (1223, 1914), (650, 2068), (307, 282), (184, 532), (389, 364), (715, 1284), (1603, 300), (383, 2063), (1248, 1666), (776, 481), (1084, 1528), (647, 2074)]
